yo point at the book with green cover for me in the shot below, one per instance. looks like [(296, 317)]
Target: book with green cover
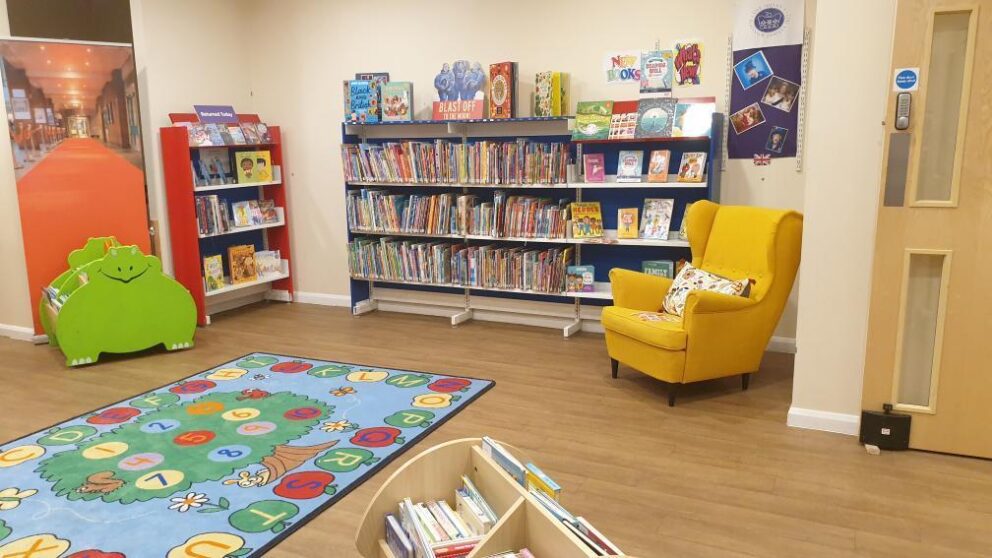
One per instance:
[(661, 268), (397, 101), (592, 119)]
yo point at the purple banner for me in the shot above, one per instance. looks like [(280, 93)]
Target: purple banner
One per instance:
[(764, 102), (216, 114)]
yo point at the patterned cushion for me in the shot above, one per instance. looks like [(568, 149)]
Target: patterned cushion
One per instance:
[(692, 279)]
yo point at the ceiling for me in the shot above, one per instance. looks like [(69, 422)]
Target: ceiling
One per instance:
[(72, 75)]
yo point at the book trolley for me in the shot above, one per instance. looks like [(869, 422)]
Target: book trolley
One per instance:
[(436, 473), (539, 308), (189, 246)]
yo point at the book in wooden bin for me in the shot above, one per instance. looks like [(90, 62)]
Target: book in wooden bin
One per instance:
[(658, 165), (241, 258), (587, 220), (502, 90)]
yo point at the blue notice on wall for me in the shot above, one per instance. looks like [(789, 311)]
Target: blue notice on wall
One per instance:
[(906, 79)]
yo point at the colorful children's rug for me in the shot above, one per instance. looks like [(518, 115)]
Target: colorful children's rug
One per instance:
[(225, 463)]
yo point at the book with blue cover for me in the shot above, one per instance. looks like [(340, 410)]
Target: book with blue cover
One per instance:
[(363, 98), (504, 459)]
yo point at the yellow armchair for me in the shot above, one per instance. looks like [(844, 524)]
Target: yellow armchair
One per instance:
[(718, 335)]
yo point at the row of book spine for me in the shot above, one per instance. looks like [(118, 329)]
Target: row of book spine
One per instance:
[(447, 263), (212, 215), (505, 216), (443, 162), (436, 529)]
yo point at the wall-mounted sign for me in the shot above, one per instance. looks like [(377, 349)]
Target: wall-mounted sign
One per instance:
[(906, 79)]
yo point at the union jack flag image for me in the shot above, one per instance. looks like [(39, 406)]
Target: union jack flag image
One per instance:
[(762, 159)]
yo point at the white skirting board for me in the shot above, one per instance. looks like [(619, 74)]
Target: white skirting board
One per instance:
[(19, 333), (827, 421), (322, 299)]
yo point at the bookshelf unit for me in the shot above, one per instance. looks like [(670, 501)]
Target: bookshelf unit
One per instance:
[(436, 474), (569, 311), (189, 246)]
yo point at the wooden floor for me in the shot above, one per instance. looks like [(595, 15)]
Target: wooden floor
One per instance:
[(718, 475)]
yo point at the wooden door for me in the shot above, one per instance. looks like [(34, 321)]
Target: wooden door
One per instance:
[(929, 349)]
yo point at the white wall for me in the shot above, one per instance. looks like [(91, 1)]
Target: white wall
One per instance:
[(301, 88), (840, 207)]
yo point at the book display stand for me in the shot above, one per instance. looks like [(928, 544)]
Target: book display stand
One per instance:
[(114, 299), (602, 253), (436, 474), (190, 244)]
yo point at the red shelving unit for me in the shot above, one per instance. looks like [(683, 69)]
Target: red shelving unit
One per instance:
[(188, 248)]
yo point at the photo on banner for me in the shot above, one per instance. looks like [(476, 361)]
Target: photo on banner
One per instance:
[(767, 80), (75, 135)]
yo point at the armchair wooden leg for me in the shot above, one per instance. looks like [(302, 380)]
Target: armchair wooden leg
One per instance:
[(615, 366), (673, 391), (745, 381)]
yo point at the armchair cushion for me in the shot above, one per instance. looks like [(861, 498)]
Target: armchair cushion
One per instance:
[(692, 279), (652, 328)]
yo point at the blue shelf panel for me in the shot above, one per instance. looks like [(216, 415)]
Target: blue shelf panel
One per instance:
[(470, 121)]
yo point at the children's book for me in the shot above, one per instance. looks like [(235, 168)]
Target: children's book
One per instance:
[(215, 165), (655, 117), (213, 272), (250, 133), (623, 123), (397, 101), (346, 97), (693, 166), (594, 165), (656, 218), (253, 166), (657, 71), (580, 279), (213, 132), (364, 99), (629, 166), (225, 134), (268, 262), (694, 119), (683, 234), (658, 165), (587, 220), (397, 539), (661, 268), (242, 261), (263, 132), (198, 136), (550, 93), (592, 120), (535, 476), (268, 211), (502, 90), (242, 214), (627, 222), (236, 133)]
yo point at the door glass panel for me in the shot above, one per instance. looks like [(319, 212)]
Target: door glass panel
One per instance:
[(919, 328), (945, 82)]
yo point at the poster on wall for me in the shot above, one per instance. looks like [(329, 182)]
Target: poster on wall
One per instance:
[(657, 71), (766, 81), (688, 63), (76, 163), (623, 67)]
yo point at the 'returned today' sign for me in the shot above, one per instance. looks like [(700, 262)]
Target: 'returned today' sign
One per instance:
[(459, 110), (216, 114)]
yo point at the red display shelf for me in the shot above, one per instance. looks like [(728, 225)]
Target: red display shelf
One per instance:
[(184, 233)]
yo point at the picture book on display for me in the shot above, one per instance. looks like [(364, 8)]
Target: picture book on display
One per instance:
[(250, 131), (268, 262), (587, 220), (363, 101), (580, 280), (627, 222), (212, 166), (213, 272), (242, 261), (692, 167), (213, 132), (694, 117), (623, 123), (629, 166), (236, 134), (656, 218), (592, 120), (657, 71), (550, 93), (655, 117), (661, 268), (594, 165), (397, 101), (682, 228), (253, 166), (502, 90), (658, 165)]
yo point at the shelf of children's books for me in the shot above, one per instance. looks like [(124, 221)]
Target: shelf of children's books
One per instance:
[(642, 140), (261, 280), (562, 186), (235, 230), (215, 187), (237, 145), (359, 232), (609, 238), (612, 184), (466, 121), (601, 289)]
